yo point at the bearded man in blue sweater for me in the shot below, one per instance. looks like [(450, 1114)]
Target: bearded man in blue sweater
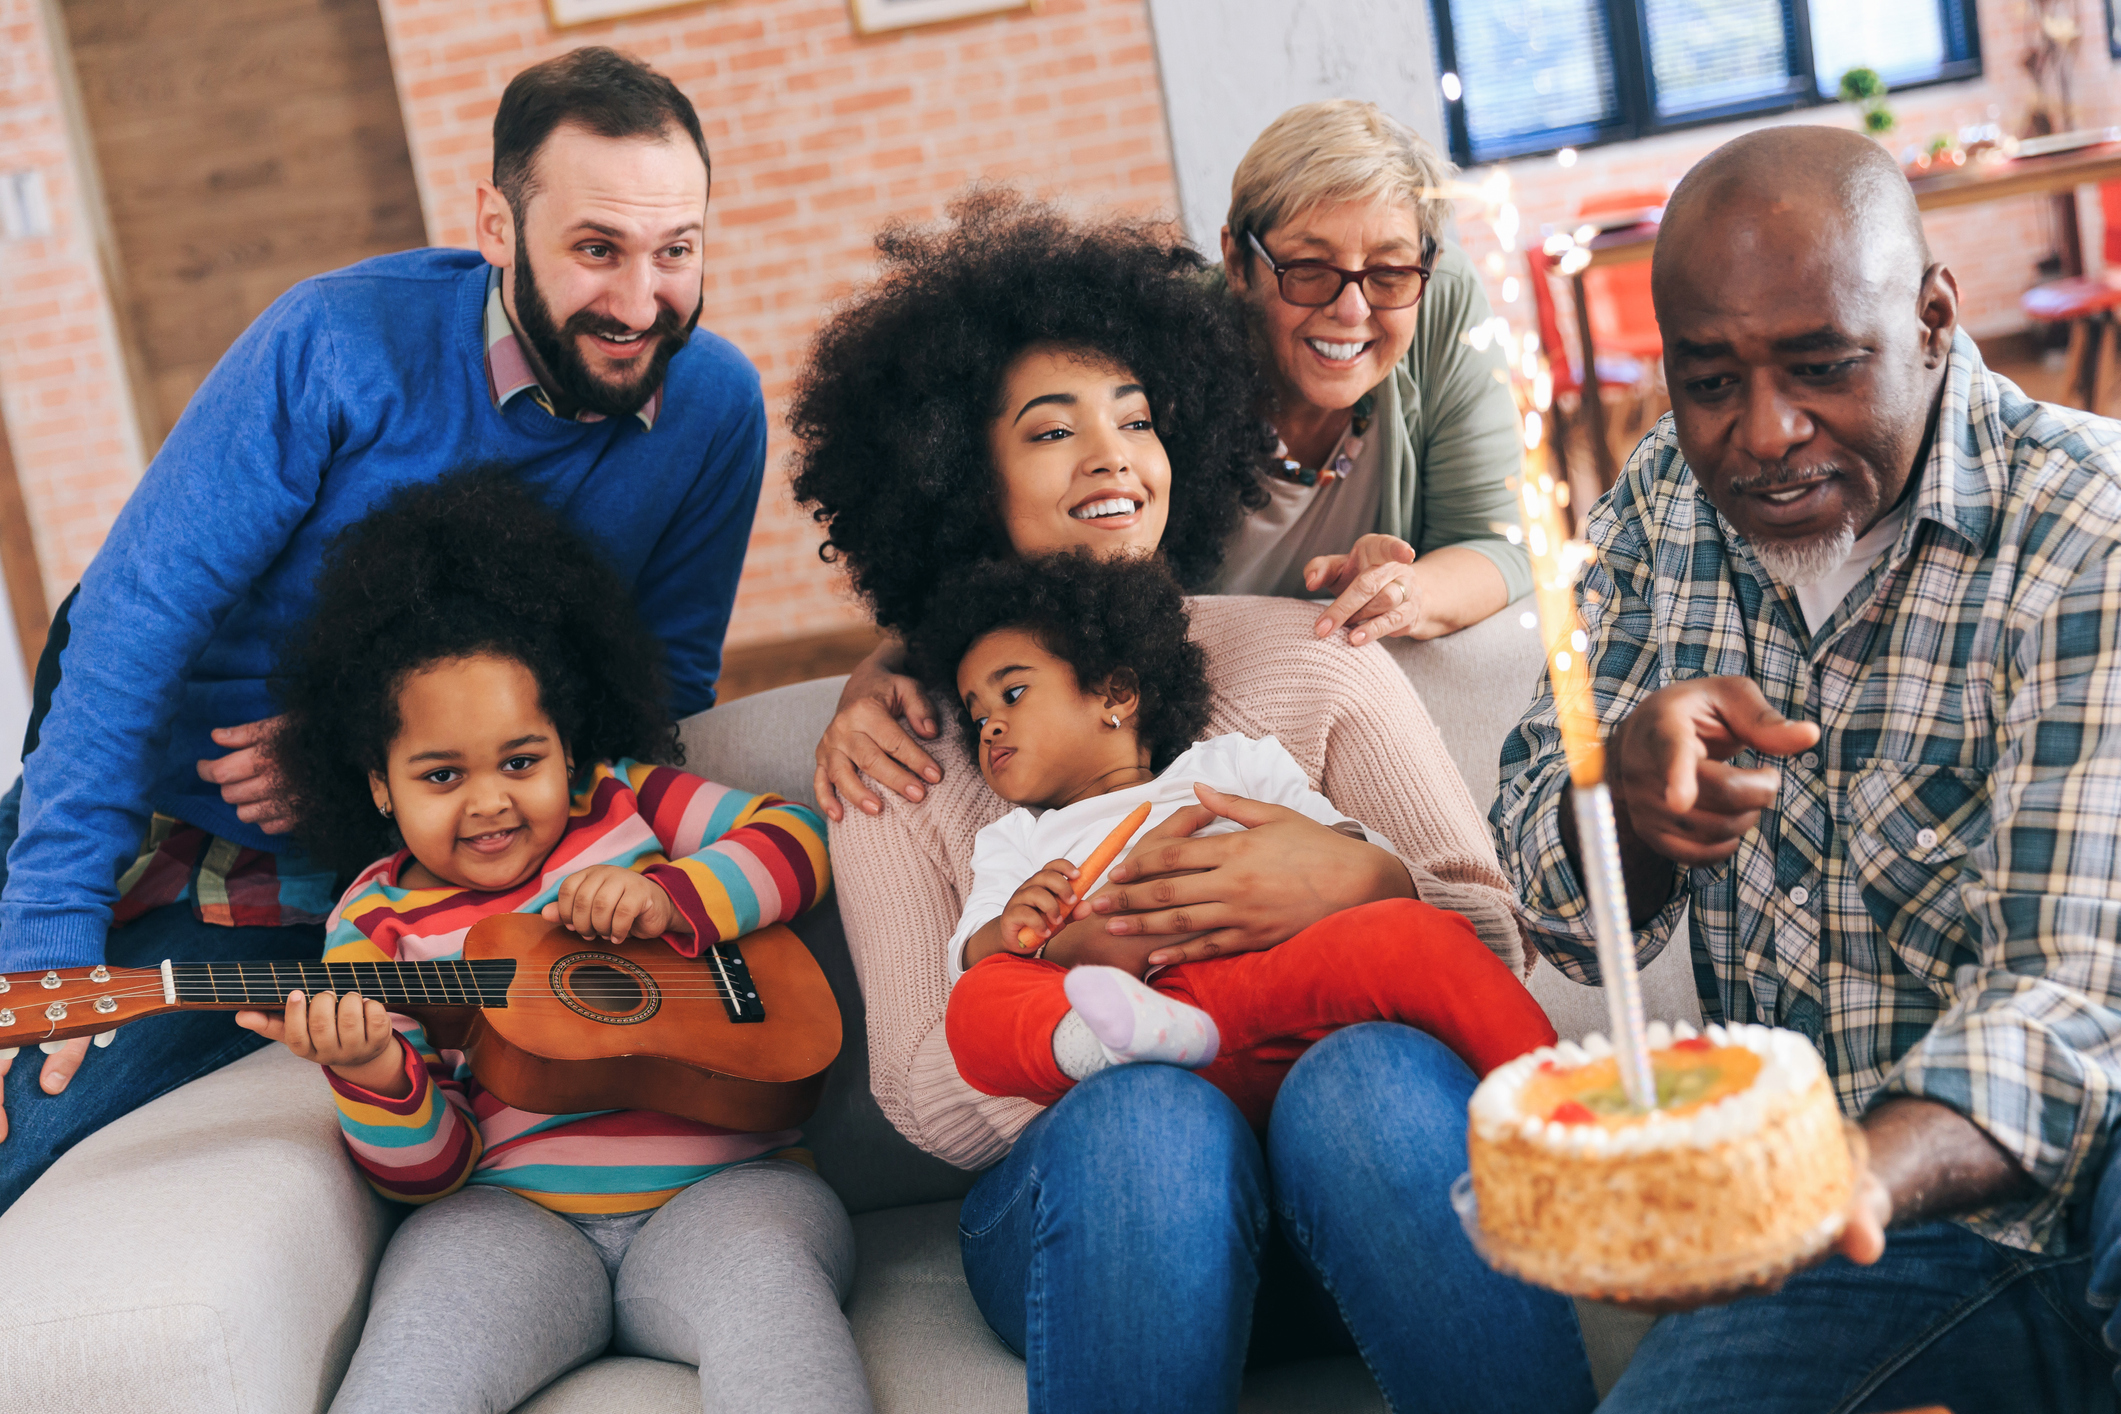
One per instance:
[(565, 348)]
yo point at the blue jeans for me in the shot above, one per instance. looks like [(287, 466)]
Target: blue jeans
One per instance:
[(144, 1060), (1945, 1317), (1138, 1241)]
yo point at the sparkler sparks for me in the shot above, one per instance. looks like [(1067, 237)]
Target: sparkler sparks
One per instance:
[(1557, 562)]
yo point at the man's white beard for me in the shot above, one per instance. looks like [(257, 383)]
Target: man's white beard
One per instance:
[(1802, 562)]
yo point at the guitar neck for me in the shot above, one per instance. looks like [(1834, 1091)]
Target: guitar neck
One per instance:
[(230, 985)]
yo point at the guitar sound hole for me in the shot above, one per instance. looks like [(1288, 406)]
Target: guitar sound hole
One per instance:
[(605, 989)]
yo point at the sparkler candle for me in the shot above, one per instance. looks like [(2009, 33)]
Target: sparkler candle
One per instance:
[(1556, 561)]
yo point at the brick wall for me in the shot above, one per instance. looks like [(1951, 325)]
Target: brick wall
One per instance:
[(1991, 248), (69, 415), (818, 137)]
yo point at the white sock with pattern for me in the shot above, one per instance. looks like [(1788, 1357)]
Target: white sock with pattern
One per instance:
[(1137, 1023)]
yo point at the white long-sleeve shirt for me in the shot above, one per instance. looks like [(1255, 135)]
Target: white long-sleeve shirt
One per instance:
[(1024, 841)]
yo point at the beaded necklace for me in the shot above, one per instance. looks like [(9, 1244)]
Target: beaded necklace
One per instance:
[(1282, 467)]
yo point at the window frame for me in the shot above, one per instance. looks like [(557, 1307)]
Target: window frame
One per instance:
[(1635, 86)]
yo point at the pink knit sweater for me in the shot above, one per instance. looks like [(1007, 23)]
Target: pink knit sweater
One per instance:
[(1348, 716)]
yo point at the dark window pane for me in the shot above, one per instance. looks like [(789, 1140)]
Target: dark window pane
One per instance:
[(1530, 67), (1904, 40), (1708, 53)]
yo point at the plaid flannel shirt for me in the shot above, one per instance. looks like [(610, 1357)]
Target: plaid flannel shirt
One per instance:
[(1935, 898)]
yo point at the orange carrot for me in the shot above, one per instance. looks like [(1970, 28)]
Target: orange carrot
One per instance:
[(1100, 858)]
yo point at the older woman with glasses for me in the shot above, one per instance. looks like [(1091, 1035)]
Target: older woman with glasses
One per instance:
[(1388, 489)]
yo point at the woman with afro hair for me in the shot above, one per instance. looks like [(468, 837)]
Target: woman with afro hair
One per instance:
[(1019, 382)]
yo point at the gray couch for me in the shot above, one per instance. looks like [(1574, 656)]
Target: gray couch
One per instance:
[(213, 1250)]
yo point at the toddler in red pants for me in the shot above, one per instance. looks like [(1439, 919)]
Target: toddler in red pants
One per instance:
[(1084, 698)]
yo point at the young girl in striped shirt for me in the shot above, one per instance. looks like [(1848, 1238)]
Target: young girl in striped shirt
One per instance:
[(472, 698)]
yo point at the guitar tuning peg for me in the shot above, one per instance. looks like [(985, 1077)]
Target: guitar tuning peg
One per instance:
[(104, 1038), (10, 1053)]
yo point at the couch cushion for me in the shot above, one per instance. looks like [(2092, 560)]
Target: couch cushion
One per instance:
[(1476, 683), (767, 741), (209, 1251)]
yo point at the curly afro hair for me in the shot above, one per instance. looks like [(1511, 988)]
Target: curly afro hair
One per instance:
[(892, 412), (1123, 616), (471, 563)]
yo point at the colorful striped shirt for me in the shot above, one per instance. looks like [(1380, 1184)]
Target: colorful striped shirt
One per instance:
[(731, 863), (226, 883)]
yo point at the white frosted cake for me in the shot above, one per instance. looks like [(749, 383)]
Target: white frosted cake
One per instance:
[(1741, 1172)]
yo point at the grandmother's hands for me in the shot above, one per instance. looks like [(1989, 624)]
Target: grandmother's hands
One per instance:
[(864, 735), (1378, 594), (1242, 891)]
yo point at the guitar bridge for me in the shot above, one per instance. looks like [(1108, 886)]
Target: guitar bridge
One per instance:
[(739, 994)]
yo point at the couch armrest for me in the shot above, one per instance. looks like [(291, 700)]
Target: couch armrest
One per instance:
[(210, 1251)]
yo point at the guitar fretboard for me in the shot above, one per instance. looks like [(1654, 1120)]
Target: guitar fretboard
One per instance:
[(483, 983)]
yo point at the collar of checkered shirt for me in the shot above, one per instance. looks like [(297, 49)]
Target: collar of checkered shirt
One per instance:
[(508, 370)]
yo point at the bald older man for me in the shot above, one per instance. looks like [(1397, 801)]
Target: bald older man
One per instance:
[(1856, 626)]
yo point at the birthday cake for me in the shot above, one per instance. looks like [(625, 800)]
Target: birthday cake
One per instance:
[(1742, 1172)]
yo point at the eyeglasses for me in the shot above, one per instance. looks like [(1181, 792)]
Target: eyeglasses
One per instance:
[(1313, 284)]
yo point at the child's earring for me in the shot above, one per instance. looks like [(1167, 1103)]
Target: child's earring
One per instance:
[(1115, 720), (383, 810)]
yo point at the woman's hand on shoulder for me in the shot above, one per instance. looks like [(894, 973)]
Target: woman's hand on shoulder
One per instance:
[(865, 736), (1376, 592), (606, 902), (1241, 891)]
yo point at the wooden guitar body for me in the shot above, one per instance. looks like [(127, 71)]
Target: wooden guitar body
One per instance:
[(598, 1026)]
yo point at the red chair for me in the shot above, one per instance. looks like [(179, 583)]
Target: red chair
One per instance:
[(1623, 320), (1619, 376), (2087, 303)]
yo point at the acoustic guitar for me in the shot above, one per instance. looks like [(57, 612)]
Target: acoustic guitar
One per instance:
[(740, 1036)]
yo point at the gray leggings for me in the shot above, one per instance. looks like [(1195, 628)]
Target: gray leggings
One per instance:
[(483, 1297)]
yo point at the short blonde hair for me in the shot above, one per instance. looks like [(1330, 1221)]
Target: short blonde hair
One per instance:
[(1340, 149)]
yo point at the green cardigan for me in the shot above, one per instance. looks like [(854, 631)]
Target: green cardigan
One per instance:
[(1453, 432), (1452, 437)]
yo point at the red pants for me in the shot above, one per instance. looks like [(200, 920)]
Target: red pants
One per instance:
[(1392, 961)]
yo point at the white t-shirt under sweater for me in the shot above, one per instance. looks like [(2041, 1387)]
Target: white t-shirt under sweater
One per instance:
[(1822, 596), (1021, 843)]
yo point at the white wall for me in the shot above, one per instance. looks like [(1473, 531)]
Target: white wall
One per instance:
[(1231, 66)]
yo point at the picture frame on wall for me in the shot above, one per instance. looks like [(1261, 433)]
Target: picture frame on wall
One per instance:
[(566, 14), (879, 16)]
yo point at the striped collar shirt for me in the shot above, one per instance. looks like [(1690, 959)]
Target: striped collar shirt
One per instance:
[(508, 370), (1935, 898)]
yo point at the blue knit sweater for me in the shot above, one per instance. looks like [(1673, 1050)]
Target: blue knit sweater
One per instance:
[(351, 385)]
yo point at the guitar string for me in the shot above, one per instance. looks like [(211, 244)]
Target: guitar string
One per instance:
[(512, 994), (199, 992), (140, 984), (195, 989)]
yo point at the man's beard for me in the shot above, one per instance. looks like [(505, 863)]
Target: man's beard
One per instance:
[(1798, 563), (1802, 562), (558, 350)]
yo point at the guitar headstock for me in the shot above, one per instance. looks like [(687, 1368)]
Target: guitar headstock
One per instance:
[(75, 1001)]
